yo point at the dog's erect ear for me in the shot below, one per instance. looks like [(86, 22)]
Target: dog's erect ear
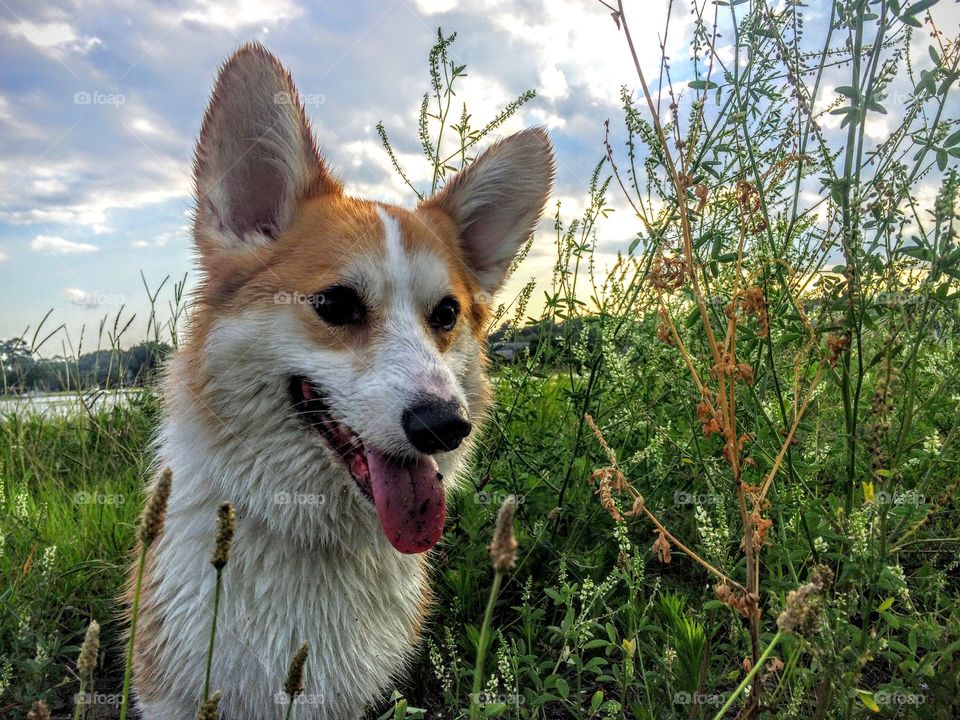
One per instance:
[(256, 157), (497, 201)]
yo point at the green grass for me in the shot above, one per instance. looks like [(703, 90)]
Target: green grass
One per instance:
[(71, 487)]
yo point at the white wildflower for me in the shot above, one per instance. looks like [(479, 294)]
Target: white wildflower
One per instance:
[(20, 505), (669, 657), (6, 674), (47, 560), (932, 443)]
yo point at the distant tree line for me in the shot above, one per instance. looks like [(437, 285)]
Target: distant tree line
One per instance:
[(21, 370), (554, 340), (24, 371)]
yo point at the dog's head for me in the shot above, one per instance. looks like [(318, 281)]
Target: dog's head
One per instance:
[(359, 324)]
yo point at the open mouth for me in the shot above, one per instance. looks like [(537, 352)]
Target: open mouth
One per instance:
[(407, 492)]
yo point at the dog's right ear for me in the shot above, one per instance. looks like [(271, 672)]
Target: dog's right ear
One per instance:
[(256, 158)]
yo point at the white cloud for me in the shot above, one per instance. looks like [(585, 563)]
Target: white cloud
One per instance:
[(161, 240), (52, 36), (370, 174), (433, 7), (242, 13), (60, 246), (3, 256), (88, 202), (143, 125), (577, 47), (75, 295), (48, 186), (8, 117)]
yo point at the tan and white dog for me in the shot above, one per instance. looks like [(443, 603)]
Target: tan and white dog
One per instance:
[(328, 388)]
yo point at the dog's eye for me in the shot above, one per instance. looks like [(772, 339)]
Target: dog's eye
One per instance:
[(339, 305), (444, 315)]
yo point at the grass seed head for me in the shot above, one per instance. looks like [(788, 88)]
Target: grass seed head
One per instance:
[(226, 527), (503, 549), (155, 511), (294, 683), (88, 651), (208, 711)]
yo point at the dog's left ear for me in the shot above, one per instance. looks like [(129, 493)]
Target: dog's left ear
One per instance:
[(496, 202), (256, 158)]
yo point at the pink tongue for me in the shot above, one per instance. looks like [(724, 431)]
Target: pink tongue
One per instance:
[(409, 499)]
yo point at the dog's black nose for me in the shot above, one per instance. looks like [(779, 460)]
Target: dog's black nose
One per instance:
[(433, 425)]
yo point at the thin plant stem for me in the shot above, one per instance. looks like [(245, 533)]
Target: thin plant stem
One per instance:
[(82, 700), (746, 681), (134, 608), (213, 634), (482, 647)]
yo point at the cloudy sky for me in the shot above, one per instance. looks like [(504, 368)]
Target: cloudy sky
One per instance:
[(101, 100)]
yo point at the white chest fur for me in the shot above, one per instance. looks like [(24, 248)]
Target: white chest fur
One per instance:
[(309, 564)]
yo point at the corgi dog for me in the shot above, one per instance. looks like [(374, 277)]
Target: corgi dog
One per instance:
[(330, 387)]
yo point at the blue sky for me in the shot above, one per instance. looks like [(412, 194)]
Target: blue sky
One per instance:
[(101, 100)]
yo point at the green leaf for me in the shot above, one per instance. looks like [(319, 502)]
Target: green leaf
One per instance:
[(848, 91), (702, 85), (596, 701), (952, 139), (918, 7), (886, 604), (942, 159), (934, 55), (867, 699), (915, 251)]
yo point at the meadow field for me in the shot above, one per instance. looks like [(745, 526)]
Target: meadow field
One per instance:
[(733, 452)]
